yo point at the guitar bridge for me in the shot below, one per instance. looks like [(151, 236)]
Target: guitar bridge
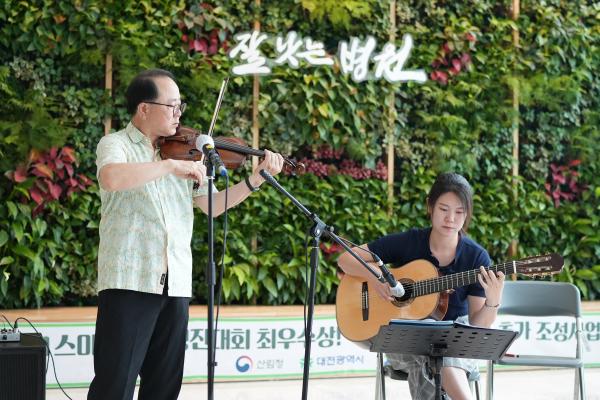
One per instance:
[(365, 301)]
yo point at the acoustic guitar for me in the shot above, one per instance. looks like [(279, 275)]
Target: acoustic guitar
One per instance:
[(360, 311)]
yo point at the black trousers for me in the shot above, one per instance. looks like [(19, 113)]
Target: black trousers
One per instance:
[(139, 334)]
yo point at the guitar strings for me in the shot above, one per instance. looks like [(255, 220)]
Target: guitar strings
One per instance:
[(439, 284)]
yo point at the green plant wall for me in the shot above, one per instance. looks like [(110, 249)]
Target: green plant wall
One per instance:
[(52, 76)]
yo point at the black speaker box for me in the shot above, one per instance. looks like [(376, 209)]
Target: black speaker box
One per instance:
[(23, 368)]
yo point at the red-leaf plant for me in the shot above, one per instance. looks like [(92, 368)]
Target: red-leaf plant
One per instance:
[(562, 182), (329, 249), (454, 57), (53, 174), (198, 33), (327, 161)]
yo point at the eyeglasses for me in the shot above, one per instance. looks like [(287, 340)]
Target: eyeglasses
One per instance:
[(176, 108)]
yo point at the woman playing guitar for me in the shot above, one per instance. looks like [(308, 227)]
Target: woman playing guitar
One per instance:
[(446, 246)]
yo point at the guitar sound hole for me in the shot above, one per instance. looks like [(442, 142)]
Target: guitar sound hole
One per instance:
[(407, 298)]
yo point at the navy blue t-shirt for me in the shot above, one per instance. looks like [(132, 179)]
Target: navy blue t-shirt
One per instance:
[(401, 248)]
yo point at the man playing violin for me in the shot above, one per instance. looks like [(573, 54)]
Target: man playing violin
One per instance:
[(144, 256)]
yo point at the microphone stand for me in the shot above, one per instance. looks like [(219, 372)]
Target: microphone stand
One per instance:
[(319, 228), (210, 267), (211, 282)]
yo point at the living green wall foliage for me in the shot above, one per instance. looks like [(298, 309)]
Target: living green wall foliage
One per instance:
[(52, 75), (276, 273)]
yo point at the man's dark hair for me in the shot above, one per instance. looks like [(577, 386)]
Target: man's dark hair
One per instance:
[(457, 184), (142, 88)]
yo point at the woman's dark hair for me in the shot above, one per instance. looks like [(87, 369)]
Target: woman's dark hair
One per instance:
[(457, 184), (142, 88)]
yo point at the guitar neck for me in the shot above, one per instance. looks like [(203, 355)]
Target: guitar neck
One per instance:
[(452, 281)]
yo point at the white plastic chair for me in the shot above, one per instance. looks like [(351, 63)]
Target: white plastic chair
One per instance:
[(543, 299)]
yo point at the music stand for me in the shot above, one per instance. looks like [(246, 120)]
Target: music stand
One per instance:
[(439, 339)]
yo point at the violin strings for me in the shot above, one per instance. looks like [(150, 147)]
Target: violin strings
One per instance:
[(248, 150), (236, 147)]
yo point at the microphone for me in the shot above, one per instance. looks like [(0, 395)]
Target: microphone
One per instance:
[(386, 276), (395, 286), (206, 145)]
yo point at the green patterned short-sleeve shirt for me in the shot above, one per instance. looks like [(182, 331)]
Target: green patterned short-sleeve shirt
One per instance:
[(145, 231)]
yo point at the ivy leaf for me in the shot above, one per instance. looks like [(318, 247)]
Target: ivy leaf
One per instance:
[(226, 285), (5, 261), (324, 109), (41, 287), (25, 252), (3, 238), (4, 285), (586, 274), (54, 288), (38, 266), (18, 231), (12, 208), (40, 226), (270, 285)]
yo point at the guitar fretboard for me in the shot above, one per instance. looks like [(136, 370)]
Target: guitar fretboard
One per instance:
[(447, 282)]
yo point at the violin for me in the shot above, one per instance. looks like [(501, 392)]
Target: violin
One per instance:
[(233, 151)]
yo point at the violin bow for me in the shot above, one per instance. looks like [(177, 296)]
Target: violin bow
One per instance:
[(218, 106), (216, 112)]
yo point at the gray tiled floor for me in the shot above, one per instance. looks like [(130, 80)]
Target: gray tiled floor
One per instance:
[(510, 385)]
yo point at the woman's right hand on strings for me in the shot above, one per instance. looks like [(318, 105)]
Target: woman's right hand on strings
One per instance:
[(383, 289), (195, 170)]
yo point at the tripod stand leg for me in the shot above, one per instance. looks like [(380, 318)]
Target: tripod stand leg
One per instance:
[(490, 380), (436, 369), (380, 379), (314, 263)]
